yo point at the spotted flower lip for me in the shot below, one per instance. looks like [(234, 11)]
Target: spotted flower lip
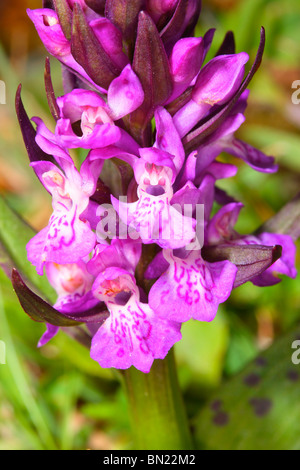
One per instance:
[(152, 215), (192, 287), (67, 238), (133, 335)]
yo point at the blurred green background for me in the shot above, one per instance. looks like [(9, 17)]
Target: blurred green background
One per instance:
[(57, 397)]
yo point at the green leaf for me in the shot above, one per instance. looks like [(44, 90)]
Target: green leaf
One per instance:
[(15, 233), (258, 409)]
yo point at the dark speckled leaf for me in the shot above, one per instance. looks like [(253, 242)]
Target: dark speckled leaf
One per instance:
[(258, 409)]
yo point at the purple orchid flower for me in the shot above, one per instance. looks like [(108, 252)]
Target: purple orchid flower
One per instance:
[(68, 237), (87, 121), (133, 334), (191, 287), (152, 215)]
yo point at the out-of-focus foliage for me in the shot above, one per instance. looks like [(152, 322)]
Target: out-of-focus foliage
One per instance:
[(57, 397)]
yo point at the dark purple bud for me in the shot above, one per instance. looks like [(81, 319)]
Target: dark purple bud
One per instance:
[(157, 8), (151, 65), (39, 310), (199, 136), (228, 45), (48, 4), (64, 14), (97, 5), (124, 15), (89, 53), (182, 23), (251, 260), (192, 16)]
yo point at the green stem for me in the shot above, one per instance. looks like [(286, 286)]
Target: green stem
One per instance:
[(156, 406)]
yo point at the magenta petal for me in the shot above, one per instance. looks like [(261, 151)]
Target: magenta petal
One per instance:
[(48, 28), (47, 141), (156, 221), (125, 93), (122, 253), (189, 115), (185, 63), (65, 240), (284, 265), (110, 38), (252, 156), (133, 336), (221, 226), (50, 332), (220, 79), (192, 288), (167, 137)]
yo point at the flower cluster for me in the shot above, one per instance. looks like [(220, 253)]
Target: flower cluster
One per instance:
[(140, 229)]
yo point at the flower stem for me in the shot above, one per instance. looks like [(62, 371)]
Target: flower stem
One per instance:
[(158, 416)]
